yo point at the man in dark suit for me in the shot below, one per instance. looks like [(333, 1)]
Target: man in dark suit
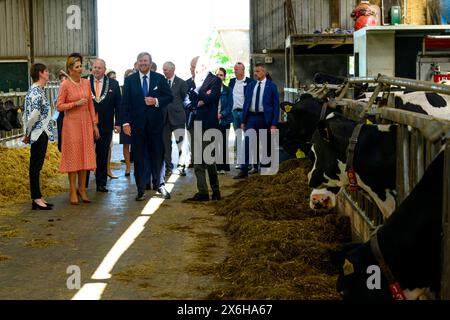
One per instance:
[(175, 116), (204, 95), (261, 111), (107, 99), (145, 95)]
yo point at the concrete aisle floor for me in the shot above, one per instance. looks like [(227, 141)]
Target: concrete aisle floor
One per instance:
[(164, 262)]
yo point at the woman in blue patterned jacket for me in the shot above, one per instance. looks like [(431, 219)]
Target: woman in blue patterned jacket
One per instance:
[(39, 127)]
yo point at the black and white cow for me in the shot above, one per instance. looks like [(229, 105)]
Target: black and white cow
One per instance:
[(4, 123), (374, 161), (12, 114), (302, 119), (409, 241), (433, 104)]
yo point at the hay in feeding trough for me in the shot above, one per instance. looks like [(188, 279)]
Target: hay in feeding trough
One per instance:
[(14, 167), (279, 247)]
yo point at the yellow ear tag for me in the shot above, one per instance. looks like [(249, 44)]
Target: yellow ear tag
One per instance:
[(19, 111), (300, 154), (348, 268), (369, 122), (288, 108)]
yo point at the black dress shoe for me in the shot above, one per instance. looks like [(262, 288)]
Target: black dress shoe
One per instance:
[(164, 192), (198, 198), (102, 189), (216, 196), (35, 206), (127, 174), (49, 204), (241, 175), (140, 197)]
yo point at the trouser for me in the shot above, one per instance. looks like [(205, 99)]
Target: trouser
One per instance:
[(223, 149), (37, 157), (102, 147), (155, 178), (200, 172), (185, 157), (167, 137), (145, 140), (256, 122)]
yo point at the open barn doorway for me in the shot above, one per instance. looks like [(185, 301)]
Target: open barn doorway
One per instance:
[(174, 30)]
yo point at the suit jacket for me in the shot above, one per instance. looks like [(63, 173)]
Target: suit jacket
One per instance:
[(226, 102), (270, 101), (135, 111), (210, 94), (175, 114), (108, 109), (232, 83)]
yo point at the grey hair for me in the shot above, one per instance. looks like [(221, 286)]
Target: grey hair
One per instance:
[(170, 64), (143, 54), (101, 60)]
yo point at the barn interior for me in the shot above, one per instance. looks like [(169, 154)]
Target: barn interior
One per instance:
[(265, 239)]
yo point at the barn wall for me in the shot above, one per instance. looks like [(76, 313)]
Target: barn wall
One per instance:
[(267, 20), (12, 29), (51, 35)]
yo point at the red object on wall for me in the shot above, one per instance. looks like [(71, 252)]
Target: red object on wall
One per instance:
[(364, 21), (437, 43), (437, 78)]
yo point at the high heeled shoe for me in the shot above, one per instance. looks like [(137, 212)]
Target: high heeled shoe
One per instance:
[(83, 199), (111, 176), (35, 206)]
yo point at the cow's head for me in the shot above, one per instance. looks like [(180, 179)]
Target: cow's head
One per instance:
[(328, 152), (4, 123), (323, 199), (352, 261), (12, 115), (302, 119)]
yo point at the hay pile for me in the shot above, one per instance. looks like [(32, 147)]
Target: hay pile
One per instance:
[(14, 181), (280, 248)]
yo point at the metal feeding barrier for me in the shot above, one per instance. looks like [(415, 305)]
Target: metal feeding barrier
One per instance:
[(420, 138)]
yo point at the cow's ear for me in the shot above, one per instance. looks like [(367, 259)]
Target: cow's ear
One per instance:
[(325, 131)]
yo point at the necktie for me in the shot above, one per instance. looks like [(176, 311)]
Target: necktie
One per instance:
[(258, 93), (97, 89), (170, 83), (145, 86)]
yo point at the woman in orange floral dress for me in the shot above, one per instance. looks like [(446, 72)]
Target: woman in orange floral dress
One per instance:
[(79, 128)]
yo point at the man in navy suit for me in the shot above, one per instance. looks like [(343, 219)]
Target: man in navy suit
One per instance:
[(261, 111), (145, 94), (204, 95)]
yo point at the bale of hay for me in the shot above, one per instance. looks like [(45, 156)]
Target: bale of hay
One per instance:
[(14, 168)]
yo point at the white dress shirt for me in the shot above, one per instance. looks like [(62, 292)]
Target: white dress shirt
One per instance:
[(252, 106), (171, 81), (238, 94)]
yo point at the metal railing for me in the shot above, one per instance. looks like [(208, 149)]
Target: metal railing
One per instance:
[(420, 138)]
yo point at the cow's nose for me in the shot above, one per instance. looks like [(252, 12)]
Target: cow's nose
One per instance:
[(318, 205)]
